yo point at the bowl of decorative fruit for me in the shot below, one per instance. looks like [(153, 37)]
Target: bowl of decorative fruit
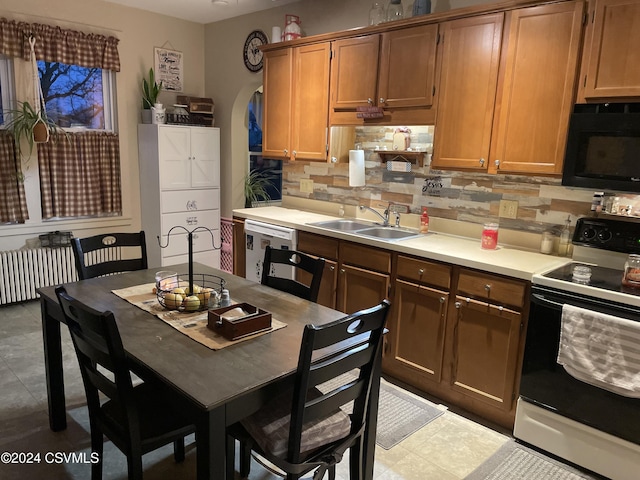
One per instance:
[(175, 292)]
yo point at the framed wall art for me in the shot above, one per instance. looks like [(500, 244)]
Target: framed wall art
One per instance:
[(169, 68)]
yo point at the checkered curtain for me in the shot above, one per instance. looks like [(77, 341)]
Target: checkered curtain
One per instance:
[(13, 203), (55, 44), (80, 176)]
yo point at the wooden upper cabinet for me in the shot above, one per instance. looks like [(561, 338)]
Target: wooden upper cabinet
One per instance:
[(407, 67), (296, 102), (311, 102), (611, 60), (468, 62), (537, 88), (277, 82), (354, 72), (394, 70), (505, 100)]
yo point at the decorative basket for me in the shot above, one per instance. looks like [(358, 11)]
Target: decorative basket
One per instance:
[(174, 292)]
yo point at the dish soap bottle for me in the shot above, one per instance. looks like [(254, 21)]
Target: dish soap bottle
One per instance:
[(564, 246), (424, 221)]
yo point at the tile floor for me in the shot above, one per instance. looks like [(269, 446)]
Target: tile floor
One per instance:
[(448, 448)]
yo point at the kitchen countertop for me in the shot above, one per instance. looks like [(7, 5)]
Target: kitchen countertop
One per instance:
[(466, 252)]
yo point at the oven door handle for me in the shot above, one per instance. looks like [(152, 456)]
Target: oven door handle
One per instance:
[(541, 299)]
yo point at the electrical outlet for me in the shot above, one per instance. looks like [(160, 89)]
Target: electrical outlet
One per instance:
[(508, 209), (306, 185)]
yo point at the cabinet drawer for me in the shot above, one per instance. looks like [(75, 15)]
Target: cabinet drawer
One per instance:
[(189, 200), (191, 220), (422, 271), (318, 245), (365, 257), (494, 289)]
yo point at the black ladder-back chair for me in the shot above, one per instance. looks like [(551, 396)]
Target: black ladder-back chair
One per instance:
[(302, 263), (136, 419), (298, 446), (103, 254)]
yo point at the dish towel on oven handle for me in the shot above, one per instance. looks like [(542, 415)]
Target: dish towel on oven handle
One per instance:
[(601, 350)]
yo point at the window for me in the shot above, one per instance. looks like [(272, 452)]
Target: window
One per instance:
[(6, 86), (78, 97)]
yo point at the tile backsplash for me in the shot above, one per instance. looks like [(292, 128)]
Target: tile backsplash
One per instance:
[(543, 203)]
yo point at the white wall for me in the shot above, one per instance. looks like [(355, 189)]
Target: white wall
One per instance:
[(139, 32)]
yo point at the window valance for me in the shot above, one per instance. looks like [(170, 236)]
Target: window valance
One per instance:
[(55, 44)]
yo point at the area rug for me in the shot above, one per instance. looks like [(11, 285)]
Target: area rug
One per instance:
[(513, 461), (399, 414)]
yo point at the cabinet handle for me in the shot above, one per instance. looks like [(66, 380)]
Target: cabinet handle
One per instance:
[(332, 268), (294, 153), (382, 100), (421, 272), (442, 299), (286, 152), (458, 305), (370, 101), (481, 162), (342, 270), (497, 162), (487, 288)]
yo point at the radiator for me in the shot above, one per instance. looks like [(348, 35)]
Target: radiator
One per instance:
[(22, 272)]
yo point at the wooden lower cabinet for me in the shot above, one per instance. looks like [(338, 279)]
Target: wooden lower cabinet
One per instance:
[(415, 343), (485, 341), (359, 288)]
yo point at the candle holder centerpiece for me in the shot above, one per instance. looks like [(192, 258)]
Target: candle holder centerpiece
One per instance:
[(191, 292)]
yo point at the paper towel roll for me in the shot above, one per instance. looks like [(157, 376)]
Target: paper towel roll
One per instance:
[(356, 168), (276, 34)]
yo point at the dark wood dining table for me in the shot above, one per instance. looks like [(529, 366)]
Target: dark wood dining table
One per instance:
[(223, 386)]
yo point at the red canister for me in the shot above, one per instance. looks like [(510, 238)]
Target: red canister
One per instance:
[(490, 236)]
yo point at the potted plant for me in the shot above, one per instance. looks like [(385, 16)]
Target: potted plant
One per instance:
[(150, 91), (255, 186), (31, 125)]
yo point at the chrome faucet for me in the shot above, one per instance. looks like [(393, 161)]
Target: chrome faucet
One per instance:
[(384, 218)]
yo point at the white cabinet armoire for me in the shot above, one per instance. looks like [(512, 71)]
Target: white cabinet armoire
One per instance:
[(180, 186)]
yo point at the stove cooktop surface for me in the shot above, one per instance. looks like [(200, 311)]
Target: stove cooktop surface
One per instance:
[(604, 283)]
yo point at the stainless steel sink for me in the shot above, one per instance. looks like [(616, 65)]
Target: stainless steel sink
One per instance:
[(342, 225), (388, 233), (371, 230)]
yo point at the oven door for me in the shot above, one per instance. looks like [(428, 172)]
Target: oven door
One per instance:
[(546, 384)]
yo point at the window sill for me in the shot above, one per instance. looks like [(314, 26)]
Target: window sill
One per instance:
[(63, 225)]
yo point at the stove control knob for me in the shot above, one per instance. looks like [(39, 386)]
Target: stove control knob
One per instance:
[(589, 233), (604, 236)]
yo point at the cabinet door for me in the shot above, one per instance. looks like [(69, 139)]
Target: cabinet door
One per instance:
[(359, 288), (612, 55), (311, 102), (175, 157), (538, 76), (469, 58), (486, 339), (205, 157), (278, 70), (407, 67), (416, 330), (354, 72)]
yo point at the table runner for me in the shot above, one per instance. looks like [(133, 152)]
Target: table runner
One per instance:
[(193, 325)]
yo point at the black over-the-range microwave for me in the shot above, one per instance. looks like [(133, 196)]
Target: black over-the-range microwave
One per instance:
[(603, 147)]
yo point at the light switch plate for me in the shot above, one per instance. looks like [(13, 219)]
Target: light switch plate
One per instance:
[(306, 185), (508, 209)]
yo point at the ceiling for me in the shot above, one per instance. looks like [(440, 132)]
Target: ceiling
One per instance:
[(203, 11)]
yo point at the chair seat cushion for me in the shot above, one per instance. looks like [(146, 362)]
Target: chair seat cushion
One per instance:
[(269, 427)]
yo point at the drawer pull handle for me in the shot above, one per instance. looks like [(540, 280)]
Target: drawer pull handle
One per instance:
[(487, 287), (421, 272), (442, 299), (342, 270), (458, 305), (332, 268)]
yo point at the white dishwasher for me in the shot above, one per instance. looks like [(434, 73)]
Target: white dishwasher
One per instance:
[(257, 236)]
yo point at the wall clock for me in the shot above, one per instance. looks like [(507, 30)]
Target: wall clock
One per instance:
[(253, 57)]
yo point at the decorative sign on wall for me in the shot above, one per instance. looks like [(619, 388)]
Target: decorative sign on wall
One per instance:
[(169, 68)]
